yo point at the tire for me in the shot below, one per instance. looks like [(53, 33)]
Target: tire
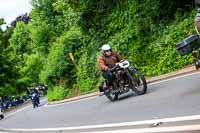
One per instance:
[(2, 116), (137, 82)]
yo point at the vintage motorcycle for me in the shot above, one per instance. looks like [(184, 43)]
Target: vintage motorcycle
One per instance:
[(125, 79)]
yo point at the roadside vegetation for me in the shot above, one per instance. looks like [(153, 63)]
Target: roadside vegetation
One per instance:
[(59, 46)]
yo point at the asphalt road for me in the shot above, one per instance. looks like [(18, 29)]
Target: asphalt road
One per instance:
[(177, 98)]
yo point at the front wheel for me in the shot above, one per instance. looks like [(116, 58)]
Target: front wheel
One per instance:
[(137, 82), (2, 116)]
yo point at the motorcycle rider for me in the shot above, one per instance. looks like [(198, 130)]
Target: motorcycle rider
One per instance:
[(34, 95), (106, 61)]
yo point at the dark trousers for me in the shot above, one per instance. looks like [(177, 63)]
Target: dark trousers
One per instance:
[(108, 76)]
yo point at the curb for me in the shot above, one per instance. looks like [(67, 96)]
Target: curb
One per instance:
[(74, 98), (183, 71)]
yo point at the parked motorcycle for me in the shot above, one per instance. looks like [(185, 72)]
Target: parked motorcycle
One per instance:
[(125, 79), (190, 45)]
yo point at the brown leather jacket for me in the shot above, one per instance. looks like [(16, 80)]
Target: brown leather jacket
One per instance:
[(108, 61)]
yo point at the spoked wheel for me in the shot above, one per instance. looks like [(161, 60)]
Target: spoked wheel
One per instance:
[(137, 82)]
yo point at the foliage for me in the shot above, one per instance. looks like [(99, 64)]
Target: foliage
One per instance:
[(57, 93), (20, 39), (143, 31), (31, 69), (59, 69)]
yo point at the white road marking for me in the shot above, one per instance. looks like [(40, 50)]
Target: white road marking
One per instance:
[(155, 130), (144, 130), (164, 120), (70, 102)]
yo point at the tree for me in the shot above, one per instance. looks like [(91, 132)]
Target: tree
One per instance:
[(20, 40), (8, 63), (22, 18)]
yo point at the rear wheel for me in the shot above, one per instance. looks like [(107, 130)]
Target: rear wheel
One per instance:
[(137, 82)]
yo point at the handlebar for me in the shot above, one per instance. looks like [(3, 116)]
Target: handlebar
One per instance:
[(113, 68), (119, 64)]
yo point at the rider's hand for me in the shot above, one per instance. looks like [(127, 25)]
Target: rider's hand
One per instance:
[(109, 69)]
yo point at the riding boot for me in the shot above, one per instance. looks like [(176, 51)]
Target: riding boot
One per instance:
[(101, 89)]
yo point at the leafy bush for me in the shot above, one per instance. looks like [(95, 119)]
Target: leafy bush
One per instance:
[(59, 69), (144, 32), (57, 93)]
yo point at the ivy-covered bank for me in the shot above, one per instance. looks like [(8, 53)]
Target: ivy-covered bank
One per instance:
[(143, 31)]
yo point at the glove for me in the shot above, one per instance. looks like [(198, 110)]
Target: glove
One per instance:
[(109, 69)]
